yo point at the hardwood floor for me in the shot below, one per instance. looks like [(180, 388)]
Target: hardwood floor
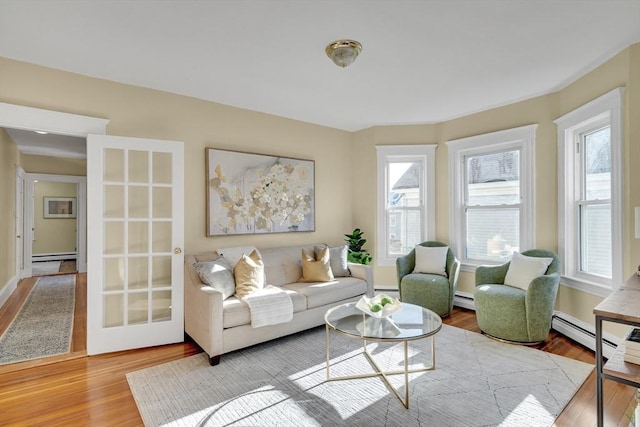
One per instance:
[(93, 391)]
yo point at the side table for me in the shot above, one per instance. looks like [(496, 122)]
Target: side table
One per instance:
[(622, 306)]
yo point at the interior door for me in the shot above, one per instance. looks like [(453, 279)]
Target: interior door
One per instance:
[(135, 235)]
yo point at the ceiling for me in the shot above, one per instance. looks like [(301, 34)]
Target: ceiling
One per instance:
[(422, 61), (30, 142)]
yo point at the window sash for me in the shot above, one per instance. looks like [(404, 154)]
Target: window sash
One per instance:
[(385, 254), (521, 139), (604, 111)]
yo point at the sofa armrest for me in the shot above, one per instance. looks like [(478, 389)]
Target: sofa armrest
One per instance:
[(490, 274), (364, 272), (202, 313)]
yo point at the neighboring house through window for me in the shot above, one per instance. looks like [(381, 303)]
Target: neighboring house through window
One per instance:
[(492, 195), (589, 194), (406, 199)]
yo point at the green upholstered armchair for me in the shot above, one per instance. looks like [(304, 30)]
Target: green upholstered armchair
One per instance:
[(513, 314), (431, 291)]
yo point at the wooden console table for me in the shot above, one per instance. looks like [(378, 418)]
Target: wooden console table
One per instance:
[(622, 306)]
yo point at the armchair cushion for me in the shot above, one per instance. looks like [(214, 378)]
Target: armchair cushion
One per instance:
[(523, 269), (431, 260)]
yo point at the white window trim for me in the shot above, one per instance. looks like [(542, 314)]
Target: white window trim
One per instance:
[(522, 138), (427, 153), (608, 106)]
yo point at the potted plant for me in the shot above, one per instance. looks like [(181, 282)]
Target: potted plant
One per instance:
[(356, 253)]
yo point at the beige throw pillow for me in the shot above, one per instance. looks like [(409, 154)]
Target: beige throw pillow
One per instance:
[(523, 269), (337, 259), (249, 274), (316, 270)]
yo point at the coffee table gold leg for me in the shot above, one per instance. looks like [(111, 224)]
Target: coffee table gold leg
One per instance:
[(326, 344), (406, 375)]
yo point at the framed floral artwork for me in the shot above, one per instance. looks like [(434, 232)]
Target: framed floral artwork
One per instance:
[(255, 193)]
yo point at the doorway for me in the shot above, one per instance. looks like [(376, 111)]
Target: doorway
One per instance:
[(55, 224), (22, 118)]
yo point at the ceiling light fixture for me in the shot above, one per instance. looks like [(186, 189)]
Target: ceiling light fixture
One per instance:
[(343, 52), (41, 132)]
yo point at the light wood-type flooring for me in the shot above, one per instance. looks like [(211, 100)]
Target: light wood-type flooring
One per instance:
[(77, 390)]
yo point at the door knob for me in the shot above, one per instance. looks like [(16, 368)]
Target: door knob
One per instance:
[(177, 251)]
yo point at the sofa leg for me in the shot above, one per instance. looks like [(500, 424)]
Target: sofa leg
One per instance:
[(215, 360)]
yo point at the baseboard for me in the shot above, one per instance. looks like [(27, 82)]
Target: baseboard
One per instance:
[(8, 289), (54, 256), (464, 300), (583, 333)]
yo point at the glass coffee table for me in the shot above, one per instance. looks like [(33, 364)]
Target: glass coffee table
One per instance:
[(410, 323)]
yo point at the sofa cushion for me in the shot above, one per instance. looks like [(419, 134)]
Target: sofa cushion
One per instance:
[(523, 269), (322, 293), (316, 270), (218, 274), (249, 274), (337, 259), (236, 312)]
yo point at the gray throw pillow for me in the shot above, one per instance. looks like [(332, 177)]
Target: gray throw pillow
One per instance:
[(337, 259), (218, 274)]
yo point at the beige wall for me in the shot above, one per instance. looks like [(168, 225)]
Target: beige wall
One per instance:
[(52, 235), (54, 165), (345, 162), (9, 158), (139, 112), (621, 70)]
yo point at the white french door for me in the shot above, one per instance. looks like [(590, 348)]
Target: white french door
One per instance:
[(135, 236)]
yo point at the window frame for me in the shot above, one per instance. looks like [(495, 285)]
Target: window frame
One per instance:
[(424, 153), (604, 110), (522, 139)]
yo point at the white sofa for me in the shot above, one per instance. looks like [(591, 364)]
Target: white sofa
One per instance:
[(221, 325)]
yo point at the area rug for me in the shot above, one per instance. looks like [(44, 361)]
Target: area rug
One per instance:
[(44, 325), (477, 382), (45, 267)]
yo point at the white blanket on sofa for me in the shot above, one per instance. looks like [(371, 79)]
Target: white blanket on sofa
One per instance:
[(269, 306)]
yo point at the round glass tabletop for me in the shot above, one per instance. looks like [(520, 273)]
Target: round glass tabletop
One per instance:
[(409, 323)]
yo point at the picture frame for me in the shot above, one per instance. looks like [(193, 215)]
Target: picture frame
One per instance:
[(248, 193), (60, 207)]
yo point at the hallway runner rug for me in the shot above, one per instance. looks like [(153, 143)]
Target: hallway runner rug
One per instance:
[(45, 267), (44, 325), (477, 382)]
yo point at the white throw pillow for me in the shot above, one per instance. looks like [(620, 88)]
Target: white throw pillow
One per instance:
[(233, 255), (523, 269), (218, 274), (431, 260)]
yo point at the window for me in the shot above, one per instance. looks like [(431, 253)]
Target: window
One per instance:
[(589, 194), (491, 178), (406, 199)]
